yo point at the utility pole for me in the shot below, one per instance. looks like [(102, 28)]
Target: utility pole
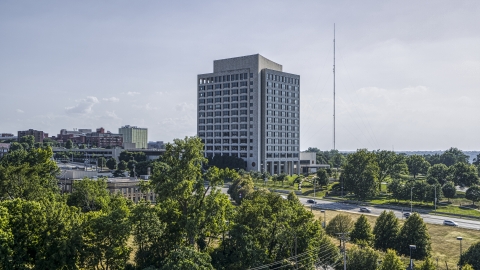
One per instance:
[(343, 241)]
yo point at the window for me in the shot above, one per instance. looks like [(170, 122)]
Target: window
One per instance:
[(234, 126), (210, 100), (210, 114), (201, 134), (234, 91), (209, 94), (234, 112), (226, 120), (234, 105), (210, 148), (243, 83), (234, 119), (218, 86), (226, 85), (218, 134), (226, 148), (210, 127), (251, 75), (226, 134), (209, 87), (226, 99), (226, 92), (218, 99), (218, 148), (218, 93), (234, 140), (218, 120), (234, 148), (201, 101), (234, 98), (243, 133), (243, 112), (243, 91), (209, 134), (243, 126), (218, 113), (234, 133), (243, 105), (243, 119), (210, 121), (243, 97), (235, 84), (201, 108), (226, 106), (201, 128), (218, 107), (225, 113), (218, 127), (226, 127), (201, 121), (243, 140)]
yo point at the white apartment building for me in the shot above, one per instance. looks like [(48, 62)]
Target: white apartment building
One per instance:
[(134, 135), (249, 108)]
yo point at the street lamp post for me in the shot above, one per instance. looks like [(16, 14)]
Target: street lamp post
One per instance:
[(459, 238), (324, 218), (411, 262)]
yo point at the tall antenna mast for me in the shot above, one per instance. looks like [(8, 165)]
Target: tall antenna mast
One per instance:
[(334, 87)]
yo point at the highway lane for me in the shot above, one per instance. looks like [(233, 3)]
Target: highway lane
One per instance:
[(376, 211)]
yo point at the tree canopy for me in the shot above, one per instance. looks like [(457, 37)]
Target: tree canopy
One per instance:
[(360, 174)]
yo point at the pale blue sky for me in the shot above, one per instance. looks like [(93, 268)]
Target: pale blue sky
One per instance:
[(408, 72)]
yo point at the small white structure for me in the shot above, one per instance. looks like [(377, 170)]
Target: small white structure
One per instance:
[(308, 163)]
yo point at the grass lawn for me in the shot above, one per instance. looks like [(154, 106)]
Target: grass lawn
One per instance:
[(445, 245)]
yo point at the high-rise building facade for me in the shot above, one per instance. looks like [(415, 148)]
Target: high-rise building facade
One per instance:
[(249, 108), (134, 135)]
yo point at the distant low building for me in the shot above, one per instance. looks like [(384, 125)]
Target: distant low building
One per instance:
[(99, 138), (156, 145), (37, 134), (308, 163)]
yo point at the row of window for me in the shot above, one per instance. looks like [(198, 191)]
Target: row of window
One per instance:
[(282, 155), (281, 141), (283, 79), (225, 78), (224, 92), (282, 121), (224, 113), (282, 114), (227, 148), (242, 155), (224, 127), (282, 93), (283, 86), (280, 127), (228, 141), (282, 135), (223, 120), (282, 107), (225, 99), (282, 100), (224, 134), (282, 148)]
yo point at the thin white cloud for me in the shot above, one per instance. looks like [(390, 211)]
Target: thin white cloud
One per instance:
[(133, 93), (181, 107), (112, 115), (84, 106), (111, 99), (147, 107), (20, 111)]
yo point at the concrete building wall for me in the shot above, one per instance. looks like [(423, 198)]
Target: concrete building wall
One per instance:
[(132, 134)]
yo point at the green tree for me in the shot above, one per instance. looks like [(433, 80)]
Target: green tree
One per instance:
[(122, 165), (428, 264), (183, 258), (414, 232), (28, 174), (438, 173), (194, 211), (398, 188), (14, 146), (390, 164), (131, 166), (467, 267), (362, 258), (452, 156), (241, 188), (417, 165), (337, 160), (473, 194), (102, 162), (6, 237), (105, 236), (449, 190), (476, 160), (28, 141), (386, 231), (391, 261), (322, 178), (360, 174), (464, 174), (69, 144), (128, 156), (341, 223), (231, 162), (89, 195), (147, 230), (362, 232), (264, 230), (111, 164), (471, 256)]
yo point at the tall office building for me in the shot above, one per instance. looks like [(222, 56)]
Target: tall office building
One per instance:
[(249, 108), (134, 136)]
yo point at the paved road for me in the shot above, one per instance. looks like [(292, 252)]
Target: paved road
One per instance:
[(428, 218)]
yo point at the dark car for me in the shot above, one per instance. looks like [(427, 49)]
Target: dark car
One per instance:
[(310, 201), (407, 214), (365, 209)]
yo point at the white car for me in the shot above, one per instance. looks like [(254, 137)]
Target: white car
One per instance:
[(449, 223)]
